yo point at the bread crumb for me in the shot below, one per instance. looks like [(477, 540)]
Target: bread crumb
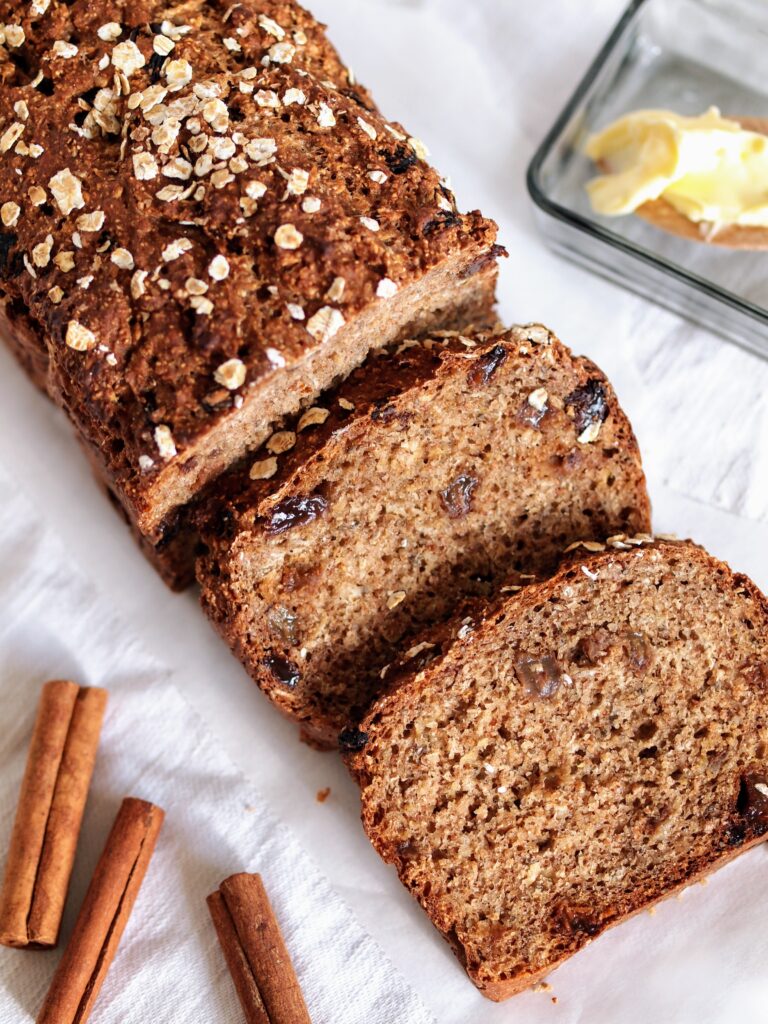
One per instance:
[(323, 794)]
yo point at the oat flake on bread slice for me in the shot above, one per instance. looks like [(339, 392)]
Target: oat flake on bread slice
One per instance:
[(574, 753)]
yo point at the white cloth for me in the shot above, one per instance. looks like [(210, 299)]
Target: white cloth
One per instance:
[(480, 82)]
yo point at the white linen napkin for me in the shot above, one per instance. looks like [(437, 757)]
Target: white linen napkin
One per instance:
[(169, 967)]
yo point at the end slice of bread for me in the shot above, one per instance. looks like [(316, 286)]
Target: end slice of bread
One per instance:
[(429, 476), (577, 752)]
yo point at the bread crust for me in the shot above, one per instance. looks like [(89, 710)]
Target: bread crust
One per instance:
[(409, 690), (201, 238)]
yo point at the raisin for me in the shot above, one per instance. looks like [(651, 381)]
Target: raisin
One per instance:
[(584, 923), (734, 835), (593, 648), (486, 365), (639, 652), (577, 919), (297, 577), (155, 67), (529, 416), (487, 258), (384, 414), (456, 499), (7, 242), (399, 161), (352, 741), (15, 267), (541, 677), (752, 802), (282, 623), (284, 671), (588, 405), (407, 849), (295, 511), (440, 222), (359, 98)]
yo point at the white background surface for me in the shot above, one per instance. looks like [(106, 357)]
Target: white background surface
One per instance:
[(480, 82)]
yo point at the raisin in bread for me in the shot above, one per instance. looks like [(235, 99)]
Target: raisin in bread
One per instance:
[(428, 476), (577, 752), (206, 222)]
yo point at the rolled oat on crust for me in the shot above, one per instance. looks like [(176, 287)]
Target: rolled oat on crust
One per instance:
[(204, 223)]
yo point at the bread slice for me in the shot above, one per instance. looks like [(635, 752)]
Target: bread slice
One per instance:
[(575, 753), (204, 223), (431, 474)]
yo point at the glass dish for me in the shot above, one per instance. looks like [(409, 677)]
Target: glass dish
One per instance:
[(684, 55)]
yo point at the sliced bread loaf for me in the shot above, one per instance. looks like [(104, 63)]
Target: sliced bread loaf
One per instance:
[(204, 223), (430, 475), (576, 753)]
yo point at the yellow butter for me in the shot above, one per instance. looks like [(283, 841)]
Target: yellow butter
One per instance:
[(707, 167)]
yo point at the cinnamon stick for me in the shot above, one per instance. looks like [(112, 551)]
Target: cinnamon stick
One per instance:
[(103, 915), (52, 800), (255, 952)]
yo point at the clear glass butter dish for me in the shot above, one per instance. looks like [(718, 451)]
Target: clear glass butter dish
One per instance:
[(685, 56)]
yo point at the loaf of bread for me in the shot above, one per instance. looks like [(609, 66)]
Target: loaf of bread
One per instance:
[(431, 474), (204, 223), (575, 753)]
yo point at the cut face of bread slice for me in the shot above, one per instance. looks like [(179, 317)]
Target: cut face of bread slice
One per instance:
[(578, 752), (430, 475)]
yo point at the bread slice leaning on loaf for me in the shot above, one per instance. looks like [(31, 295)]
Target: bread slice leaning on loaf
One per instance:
[(204, 223), (573, 754), (431, 474)]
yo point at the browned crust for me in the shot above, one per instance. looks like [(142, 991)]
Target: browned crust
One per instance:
[(663, 215), (155, 359), (367, 389), (171, 548), (407, 693)]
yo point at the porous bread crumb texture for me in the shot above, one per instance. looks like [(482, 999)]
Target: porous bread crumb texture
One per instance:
[(172, 545), (439, 471), (193, 181), (596, 743)]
